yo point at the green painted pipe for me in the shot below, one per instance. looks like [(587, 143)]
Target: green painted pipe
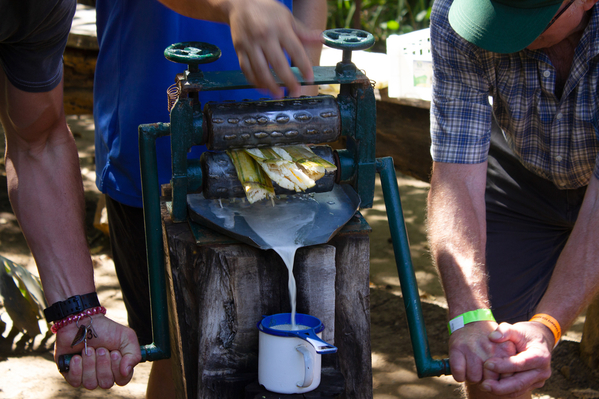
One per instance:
[(148, 134), (425, 365), (160, 348)]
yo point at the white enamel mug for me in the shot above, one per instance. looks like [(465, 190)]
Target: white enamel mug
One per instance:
[(289, 361)]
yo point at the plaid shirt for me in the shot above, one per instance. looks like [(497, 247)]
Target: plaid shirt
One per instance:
[(554, 138)]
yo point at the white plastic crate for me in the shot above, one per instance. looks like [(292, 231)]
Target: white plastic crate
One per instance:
[(410, 65)]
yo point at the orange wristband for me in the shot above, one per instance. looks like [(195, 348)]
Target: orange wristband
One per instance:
[(551, 323)]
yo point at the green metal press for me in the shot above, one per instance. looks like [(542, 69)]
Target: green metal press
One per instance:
[(319, 119)]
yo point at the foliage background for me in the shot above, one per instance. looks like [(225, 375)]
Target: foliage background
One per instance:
[(380, 17)]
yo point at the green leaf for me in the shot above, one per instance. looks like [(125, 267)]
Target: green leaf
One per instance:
[(393, 25)]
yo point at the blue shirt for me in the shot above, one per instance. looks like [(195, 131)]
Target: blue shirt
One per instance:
[(132, 77), (556, 138)]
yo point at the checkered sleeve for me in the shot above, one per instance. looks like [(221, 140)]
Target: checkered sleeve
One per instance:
[(460, 110)]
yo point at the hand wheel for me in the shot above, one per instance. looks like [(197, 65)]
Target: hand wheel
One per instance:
[(192, 54), (348, 39)]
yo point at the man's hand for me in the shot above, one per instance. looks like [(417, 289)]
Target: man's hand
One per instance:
[(110, 357), (531, 367), (470, 347), (263, 31)]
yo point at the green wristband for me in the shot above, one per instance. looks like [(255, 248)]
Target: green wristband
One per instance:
[(469, 317)]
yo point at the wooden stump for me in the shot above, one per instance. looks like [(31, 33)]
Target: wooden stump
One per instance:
[(218, 291), (79, 69), (80, 58), (589, 344), (403, 132), (331, 386)]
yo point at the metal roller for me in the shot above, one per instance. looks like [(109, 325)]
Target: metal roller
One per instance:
[(266, 123), (220, 177)]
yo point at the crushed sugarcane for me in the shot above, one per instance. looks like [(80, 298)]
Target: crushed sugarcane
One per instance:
[(255, 182), (294, 167), (311, 164)]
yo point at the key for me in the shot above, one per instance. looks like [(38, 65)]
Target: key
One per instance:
[(80, 337), (84, 334)]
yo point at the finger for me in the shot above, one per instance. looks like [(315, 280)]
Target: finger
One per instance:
[(519, 384), (299, 58), (74, 376), (308, 38), (261, 71), (115, 361), (274, 53), (530, 359), (507, 348), (103, 368), (246, 67), (474, 369), (506, 332), (489, 375), (128, 362), (90, 380), (458, 365), (130, 353)]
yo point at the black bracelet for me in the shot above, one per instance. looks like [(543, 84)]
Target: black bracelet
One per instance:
[(73, 305)]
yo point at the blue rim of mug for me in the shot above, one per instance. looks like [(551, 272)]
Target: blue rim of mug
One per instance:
[(313, 323)]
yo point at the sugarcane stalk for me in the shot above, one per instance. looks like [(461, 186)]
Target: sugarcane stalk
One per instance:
[(255, 182)]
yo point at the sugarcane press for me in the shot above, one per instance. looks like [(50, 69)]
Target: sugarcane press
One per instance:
[(314, 120)]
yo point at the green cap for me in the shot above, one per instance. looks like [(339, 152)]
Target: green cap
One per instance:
[(502, 26)]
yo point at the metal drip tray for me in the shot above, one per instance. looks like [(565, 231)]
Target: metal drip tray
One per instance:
[(303, 220)]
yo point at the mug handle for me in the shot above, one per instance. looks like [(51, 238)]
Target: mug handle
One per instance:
[(308, 364)]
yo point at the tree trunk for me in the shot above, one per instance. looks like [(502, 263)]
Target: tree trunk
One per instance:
[(219, 290), (589, 345)]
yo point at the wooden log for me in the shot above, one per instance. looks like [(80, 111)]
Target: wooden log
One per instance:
[(331, 386), (218, 291), (79, 69), (80, 58), (589, 344), (352, 314), (403, 132)]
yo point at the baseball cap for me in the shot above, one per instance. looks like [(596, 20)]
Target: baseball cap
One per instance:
[(502, 26)]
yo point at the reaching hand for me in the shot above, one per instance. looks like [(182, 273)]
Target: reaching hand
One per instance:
[(110, 357), (470, 347), (531, 367), (263, 31)]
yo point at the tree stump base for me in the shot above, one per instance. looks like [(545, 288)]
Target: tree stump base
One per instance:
[(219, 289), (331, 386)]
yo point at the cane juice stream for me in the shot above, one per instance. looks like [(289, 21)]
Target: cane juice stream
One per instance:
[(282, 227)]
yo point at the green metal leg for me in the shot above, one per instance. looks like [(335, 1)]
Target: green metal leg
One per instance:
[(425, 365), (160, 348)]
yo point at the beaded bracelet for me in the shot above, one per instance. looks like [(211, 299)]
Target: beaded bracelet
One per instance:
[(73, 318)]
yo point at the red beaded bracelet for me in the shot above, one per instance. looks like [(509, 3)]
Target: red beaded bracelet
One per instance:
[(73, 318)]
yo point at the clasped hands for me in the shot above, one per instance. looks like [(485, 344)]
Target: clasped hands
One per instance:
[(504, 360)]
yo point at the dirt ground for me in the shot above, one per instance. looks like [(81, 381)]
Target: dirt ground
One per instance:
[(28, 371)]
